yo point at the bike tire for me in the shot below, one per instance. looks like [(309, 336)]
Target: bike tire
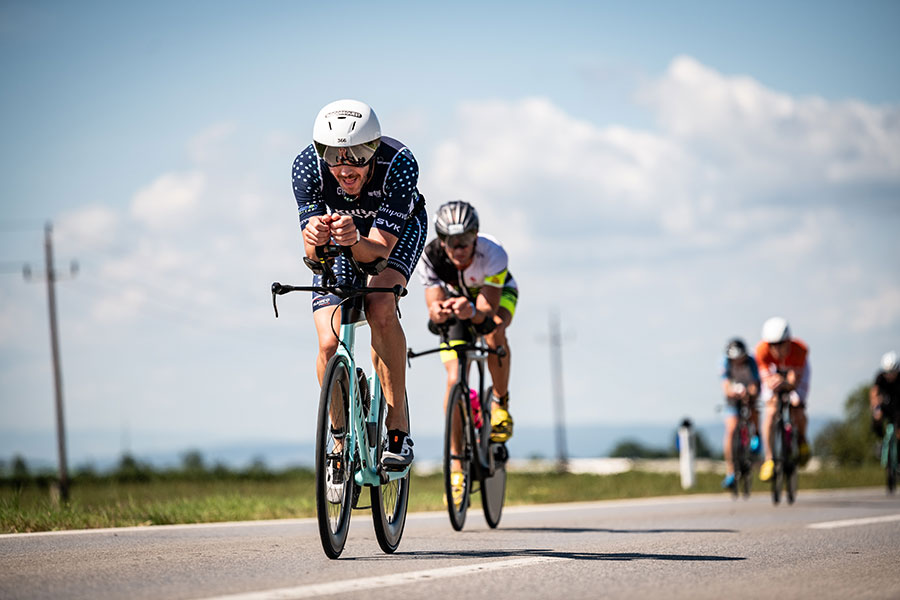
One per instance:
[(778, 460), (791, 468), (389, 500), (334, 416), (457, 423), (892, 464), (493, 488), (737, 463)]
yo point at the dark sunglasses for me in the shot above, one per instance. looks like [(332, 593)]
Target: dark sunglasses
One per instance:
[(463, 240), (355, 156)]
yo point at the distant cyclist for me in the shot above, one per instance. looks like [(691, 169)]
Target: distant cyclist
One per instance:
[(784, 367), (357, 188), (740, 383), (884, 395), (466, 276)]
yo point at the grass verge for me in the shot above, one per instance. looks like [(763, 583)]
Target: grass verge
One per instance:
[(110, 504)]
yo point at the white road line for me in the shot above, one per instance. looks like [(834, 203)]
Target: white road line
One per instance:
[(380, 581), (853, 522)]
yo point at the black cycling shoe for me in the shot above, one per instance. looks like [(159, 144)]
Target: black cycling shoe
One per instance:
[(399, 453)]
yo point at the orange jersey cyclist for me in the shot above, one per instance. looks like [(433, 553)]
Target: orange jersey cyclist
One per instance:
[(466, 275), (783, 366), (357, 188)]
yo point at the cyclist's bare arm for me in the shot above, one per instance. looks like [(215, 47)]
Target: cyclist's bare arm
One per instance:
[(377, 245), (434, 300), (487, 303), (319, 231), (874, 398)]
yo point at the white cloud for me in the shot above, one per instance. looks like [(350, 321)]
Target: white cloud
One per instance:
[(211, 143), (170, 200), (88, 228), (757, 132), (877, 312)]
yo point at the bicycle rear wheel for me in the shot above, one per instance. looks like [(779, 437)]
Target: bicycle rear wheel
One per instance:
[(334, 471), (737, 462), (891, 466), (778, 459), (389, 500), (493, 488), (457, 457)]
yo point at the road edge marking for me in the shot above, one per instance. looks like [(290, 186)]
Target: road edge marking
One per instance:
[(380, 581), (853, 522)]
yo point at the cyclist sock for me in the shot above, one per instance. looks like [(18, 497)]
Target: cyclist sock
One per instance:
[(502, 401), (395, 440)]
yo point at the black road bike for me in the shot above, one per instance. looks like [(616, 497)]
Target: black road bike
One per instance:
[(741, 454), (785, 450), (467, 432), (351, 433)]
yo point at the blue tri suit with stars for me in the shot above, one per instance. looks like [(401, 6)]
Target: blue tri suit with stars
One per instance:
[(389, 201)]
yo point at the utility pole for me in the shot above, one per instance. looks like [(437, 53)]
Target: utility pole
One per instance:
[(51, 277), (562, 455)]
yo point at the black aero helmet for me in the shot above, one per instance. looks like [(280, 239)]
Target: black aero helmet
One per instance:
[(735, 349), (455, 218)]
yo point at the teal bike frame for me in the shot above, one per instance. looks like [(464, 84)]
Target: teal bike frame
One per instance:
[(364, 436), (889, 439)]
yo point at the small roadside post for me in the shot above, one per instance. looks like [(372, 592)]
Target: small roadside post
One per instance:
[(686, 452)]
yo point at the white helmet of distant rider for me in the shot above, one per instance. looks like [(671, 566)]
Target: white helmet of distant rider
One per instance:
[(346, 132), (455, 218), (776, 330), (890, 362)]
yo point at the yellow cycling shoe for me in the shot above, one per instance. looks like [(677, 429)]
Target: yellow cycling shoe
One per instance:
[(501, 424), (803, 454), (457, 488), (765, 471)]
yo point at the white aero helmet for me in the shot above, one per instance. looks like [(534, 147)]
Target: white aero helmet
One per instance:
[(776, 330), (348, 132), (890, 361)]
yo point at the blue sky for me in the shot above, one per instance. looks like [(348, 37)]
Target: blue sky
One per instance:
[(666, 176)]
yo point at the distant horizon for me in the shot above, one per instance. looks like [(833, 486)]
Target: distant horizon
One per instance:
[(528, 442)]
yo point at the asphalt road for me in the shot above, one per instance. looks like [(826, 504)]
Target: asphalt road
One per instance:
[(835, 544)]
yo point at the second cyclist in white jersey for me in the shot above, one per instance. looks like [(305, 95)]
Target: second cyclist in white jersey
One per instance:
[(466, 276)]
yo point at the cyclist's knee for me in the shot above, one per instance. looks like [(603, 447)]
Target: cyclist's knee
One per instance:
[(381, 311), (327, 346), (497, 337)]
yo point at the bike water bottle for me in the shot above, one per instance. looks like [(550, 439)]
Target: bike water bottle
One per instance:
[(476, 408)]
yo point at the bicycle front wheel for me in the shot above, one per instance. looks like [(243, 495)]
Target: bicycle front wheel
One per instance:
[(737, 461), (389, 500), (791, 469), (334, 471), (458, 454), (778, 459)]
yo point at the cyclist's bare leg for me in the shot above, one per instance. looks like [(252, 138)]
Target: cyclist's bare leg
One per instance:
[(499, 367), (754, 416), (730, 426), (389, 346), (798, 416), (768, 417)]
